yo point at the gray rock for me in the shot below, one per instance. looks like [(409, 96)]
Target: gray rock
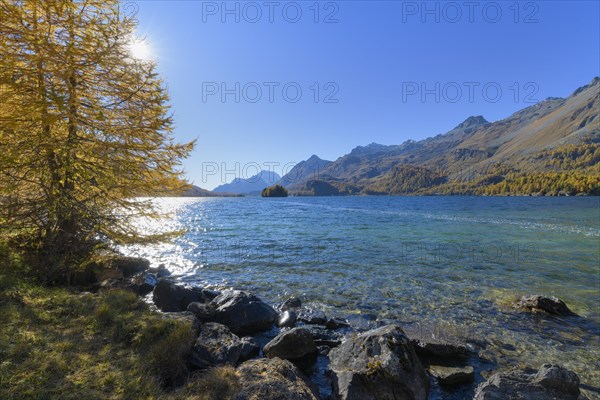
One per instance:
[(323, 336), (144, 283), (273, 379), (210, 294), (250, 348), (202, 311), (287, 319), (291, 303), (184, 316), (171, 297), (313, 317), (450, 376), (552, 305), (440, 349), (378, 364), (129, 265), (336, 323), (295, 344), (216, 345), (243, 312), (550, 382), (161, 271)]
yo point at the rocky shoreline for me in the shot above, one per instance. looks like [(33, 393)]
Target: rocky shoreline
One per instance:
[(288, 351)]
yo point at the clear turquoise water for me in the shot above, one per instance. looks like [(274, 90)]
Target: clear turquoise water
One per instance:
[(449, 265)]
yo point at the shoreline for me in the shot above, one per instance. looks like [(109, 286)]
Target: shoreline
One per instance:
[(466, 358)]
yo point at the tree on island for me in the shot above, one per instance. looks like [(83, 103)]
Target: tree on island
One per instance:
[(84, 128), (274, 191)]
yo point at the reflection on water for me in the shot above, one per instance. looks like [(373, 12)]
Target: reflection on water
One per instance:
[(454, 264)]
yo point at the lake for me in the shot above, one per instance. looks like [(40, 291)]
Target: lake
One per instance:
[(447, 266)]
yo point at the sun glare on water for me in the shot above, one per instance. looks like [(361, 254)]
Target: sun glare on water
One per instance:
[(140, 49)]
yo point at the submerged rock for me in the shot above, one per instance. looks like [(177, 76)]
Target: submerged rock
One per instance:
[(336, 323), (216, 345), (287, 319), (551, 382), (291, 303), (323, 336), (450, 376), (295, 344), (243, 312), (362, 322), (551, 305), (312, 317), (171, 297), (378, 364), (273, 379)]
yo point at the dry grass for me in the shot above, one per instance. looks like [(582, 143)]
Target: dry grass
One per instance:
[(59, 344)]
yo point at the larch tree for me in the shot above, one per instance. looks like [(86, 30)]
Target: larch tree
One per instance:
[(85, 128)]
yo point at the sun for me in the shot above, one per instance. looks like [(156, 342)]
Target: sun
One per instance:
[(140, 49)]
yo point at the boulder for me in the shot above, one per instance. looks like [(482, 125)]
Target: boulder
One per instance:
[(144, 283), (550, 382), (250, 348), (273, 379), (287, 319), (243, 312), (378, 364), (171, 297), (451, 376), (216, 345), (434, 348), (103, 274), (129, 265), (291, 303), (551, 305), (295, 344), (161, 271), (202, 311), (184, 316), (112, 284), (210, 294)]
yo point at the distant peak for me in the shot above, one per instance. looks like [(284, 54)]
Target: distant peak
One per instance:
[(472, 121), (314, 157), (267, 176)]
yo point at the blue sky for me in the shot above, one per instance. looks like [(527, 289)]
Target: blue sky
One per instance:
[(368, 71)]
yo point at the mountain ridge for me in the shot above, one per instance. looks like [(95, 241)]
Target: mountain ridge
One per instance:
[(554, 136), (253, 185)]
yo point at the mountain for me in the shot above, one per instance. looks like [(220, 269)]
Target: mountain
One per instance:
[(309, 169), (552, 147), (196, 191), (252, 185)]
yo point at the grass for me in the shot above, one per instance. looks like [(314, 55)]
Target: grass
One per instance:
[(56, 343)]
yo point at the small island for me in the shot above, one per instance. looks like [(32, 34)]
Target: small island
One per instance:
[(274, 191)]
